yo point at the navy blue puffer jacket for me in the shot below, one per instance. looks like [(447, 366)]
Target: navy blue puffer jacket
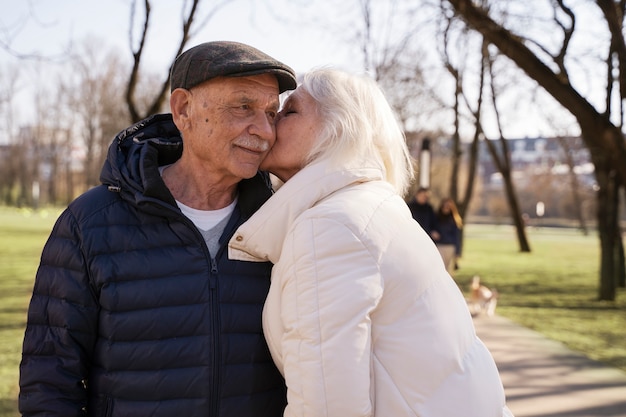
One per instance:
[(130, 317)]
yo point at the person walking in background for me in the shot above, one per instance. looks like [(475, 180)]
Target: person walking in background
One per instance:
[(449, 226), (136, 308), (423, 212), (361, 318)]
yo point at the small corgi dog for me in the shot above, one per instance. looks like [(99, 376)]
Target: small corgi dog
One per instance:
[(482, 299)]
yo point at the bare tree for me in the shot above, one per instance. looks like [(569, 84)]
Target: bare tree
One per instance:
[(456, 45), (457, 71), (92, 97), (503, 159), (190, 8), (603, 138), (9, 76), (386, 39), (10, 30), (574, 184)]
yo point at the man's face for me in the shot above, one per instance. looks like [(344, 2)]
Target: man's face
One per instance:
[(230, 125)]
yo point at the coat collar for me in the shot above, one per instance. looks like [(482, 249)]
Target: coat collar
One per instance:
[(261, 237)]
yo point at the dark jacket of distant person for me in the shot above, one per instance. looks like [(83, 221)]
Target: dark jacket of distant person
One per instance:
[(141, 342), (449, 232), (424, 214)]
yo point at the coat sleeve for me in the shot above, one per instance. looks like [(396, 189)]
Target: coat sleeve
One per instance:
[(326, 306), (60, 330)]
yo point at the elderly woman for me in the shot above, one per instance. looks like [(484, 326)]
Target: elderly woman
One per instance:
[(361, 318)]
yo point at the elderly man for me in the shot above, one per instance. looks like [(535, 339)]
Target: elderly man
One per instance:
[(136, 309)]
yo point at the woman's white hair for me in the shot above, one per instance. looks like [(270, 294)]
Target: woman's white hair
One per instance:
[(359, 126)]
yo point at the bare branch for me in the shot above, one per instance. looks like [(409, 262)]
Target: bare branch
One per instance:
[(218, 5), (9, 32), (366, 38), (137, 53), (186, 30), (188, 22), (504, 162), (614, 15)]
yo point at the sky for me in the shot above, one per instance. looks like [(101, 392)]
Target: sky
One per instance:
[(46, 26), (280, 28), (288, 30)]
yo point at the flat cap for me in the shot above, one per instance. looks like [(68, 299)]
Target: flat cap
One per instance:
[(227, 59)]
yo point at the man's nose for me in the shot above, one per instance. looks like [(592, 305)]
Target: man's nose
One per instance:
[(263, 126)]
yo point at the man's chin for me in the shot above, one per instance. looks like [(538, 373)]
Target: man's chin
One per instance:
[(248, 171)]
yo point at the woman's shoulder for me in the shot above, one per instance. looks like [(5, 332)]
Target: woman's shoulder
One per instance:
[(361, 210), (355, 200)]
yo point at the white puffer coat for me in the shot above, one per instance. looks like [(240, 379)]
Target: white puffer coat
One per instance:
[(362, 318)]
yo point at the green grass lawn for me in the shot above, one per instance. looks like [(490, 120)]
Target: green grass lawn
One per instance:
[(552, 290), (22, 236)]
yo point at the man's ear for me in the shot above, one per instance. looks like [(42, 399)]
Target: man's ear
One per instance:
[(180, 103)]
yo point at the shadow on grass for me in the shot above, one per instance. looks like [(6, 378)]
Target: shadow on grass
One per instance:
[(551, 296), (12, 318), (8, 408), (25, 231), (593, 305), (13, 326)]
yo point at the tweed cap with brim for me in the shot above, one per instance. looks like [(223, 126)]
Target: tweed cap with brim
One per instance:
[(227, 59)]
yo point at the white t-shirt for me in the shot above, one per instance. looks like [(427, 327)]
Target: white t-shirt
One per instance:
[(207, 219), (210, 223)]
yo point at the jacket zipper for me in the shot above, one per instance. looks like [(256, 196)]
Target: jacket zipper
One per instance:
[(215, 367), (215, 332), (214, 378)]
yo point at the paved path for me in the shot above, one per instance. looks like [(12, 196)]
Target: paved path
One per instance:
[(542, 378)]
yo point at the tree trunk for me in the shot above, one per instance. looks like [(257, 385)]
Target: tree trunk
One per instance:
[(607, 223), (504, 167), (456, 148), (516, 213), (618, 245), (620, 262), (575, 184)]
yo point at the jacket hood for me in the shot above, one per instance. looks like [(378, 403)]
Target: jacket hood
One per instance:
[(131, 167)]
